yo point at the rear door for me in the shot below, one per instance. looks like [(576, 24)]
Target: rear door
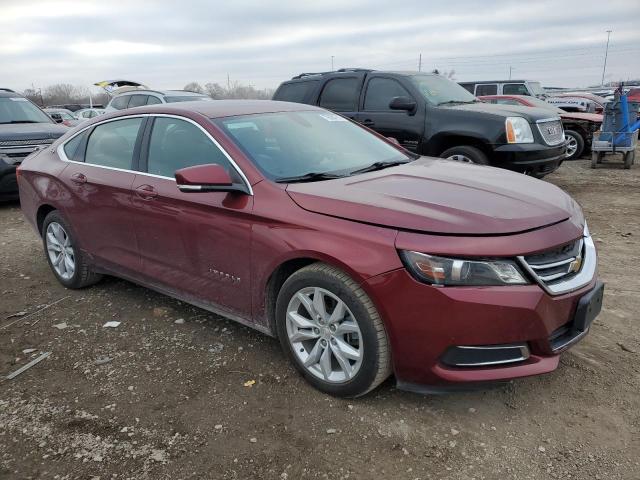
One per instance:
[(101, 168), (342, 94), (406, 127), (194, 244)]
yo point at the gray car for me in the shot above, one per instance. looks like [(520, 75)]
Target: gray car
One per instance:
[(138, 98)]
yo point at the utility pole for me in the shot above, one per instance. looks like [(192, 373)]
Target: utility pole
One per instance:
[(228, 83), (420, 62), (510, 68), (332, 63), (606, 53)]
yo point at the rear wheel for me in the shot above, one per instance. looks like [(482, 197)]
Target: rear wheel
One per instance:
[(332, 332), (629, 158), (575, 144), (466, 154), (67, 262), (596, 158)]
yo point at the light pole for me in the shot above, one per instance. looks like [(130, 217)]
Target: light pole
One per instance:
[(510, 68), (332, 63), (606, 53)]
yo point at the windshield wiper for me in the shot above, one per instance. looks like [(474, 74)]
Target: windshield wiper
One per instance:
[(309, 177), (379, 166)]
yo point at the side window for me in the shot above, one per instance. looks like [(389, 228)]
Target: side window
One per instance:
[(138, 100), (515, 89), (380, 92), (177, 144), (340, 94), (153, 100), (111, 144), (468, 86), (72, 147), (294, 92), (487, 89), (120, 102)]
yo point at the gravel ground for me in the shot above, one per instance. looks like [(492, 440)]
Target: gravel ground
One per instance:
[(169, 393)]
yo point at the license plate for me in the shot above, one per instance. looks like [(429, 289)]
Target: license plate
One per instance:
[(589, 307)]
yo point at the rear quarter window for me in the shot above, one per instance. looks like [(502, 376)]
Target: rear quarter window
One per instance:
[(295, 92), (120, 102)]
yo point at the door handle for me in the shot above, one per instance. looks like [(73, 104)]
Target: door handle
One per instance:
[(367, 122), (79, 178), (146, 192)]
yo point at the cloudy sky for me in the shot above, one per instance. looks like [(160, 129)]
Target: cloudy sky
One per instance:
[(167, 43)]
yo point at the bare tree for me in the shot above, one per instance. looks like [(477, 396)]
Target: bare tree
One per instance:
[(194, 87)]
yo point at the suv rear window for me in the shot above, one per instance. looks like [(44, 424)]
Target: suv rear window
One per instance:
[(120, 102), (340, 94), (294, 92)]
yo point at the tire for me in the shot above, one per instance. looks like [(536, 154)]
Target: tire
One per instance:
[(575, 143), (629, 158), (596, 158), (56, 232), (466, 154), (320, 343)]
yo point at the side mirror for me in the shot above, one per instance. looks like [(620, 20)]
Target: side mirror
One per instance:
[(207, 178), (403, 103)]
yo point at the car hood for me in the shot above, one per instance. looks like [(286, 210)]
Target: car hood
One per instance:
[(31, 131), (590, 117), (531, 113), (439, 196)]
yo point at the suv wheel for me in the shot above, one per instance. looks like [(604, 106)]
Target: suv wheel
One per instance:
[(65, 258), (466, 154), (575, 144), (332, 332)]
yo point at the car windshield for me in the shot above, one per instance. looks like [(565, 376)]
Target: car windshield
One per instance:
[(186, 98), (285, 145), (20, 110), (536, 88), (440, 90)]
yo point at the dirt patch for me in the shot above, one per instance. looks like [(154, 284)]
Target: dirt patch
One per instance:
[(157, 399)]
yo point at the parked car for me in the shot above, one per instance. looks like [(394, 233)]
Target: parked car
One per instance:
[(74, 107), (505, 87), (578, 127), (361, 257), (431, 115), (87, 113), (65, 117), (137, 98), (575, 101), (23, 129)]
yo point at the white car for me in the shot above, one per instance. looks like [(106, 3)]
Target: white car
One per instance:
[(87, 113)]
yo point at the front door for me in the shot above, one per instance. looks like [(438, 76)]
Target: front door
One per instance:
[(195, 244), (406, 127), (99, 177)]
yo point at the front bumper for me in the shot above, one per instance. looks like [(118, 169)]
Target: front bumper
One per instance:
[(531, 158), (425, 322)]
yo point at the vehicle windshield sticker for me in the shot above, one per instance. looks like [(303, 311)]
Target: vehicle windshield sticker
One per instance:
[(18, 99), (332, 117)]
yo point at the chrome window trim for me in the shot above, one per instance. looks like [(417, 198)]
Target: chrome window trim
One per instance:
[(64, 158), (584, 276)]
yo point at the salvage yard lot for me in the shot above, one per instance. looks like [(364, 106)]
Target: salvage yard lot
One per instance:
[(168, 393)]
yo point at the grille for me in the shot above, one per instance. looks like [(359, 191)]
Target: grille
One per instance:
[(21, 143), (559, 264), (551, 132)]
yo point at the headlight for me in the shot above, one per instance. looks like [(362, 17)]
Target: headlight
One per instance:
[(518, 130), (454, 271)]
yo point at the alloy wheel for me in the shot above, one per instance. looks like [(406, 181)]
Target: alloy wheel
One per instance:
[(324, 335), (460, 158), (60, 250), (572, 145)]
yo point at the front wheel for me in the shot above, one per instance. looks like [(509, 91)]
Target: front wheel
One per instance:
[(332, 332), (575, 144), (466, 154)]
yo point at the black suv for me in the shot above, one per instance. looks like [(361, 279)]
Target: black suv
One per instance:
[(23, 129), (431, 115)]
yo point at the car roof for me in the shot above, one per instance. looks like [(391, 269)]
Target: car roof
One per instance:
[(220, 108), (499, 81)]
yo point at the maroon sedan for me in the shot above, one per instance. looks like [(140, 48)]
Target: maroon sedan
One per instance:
[(363, 259), (579, 127)]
